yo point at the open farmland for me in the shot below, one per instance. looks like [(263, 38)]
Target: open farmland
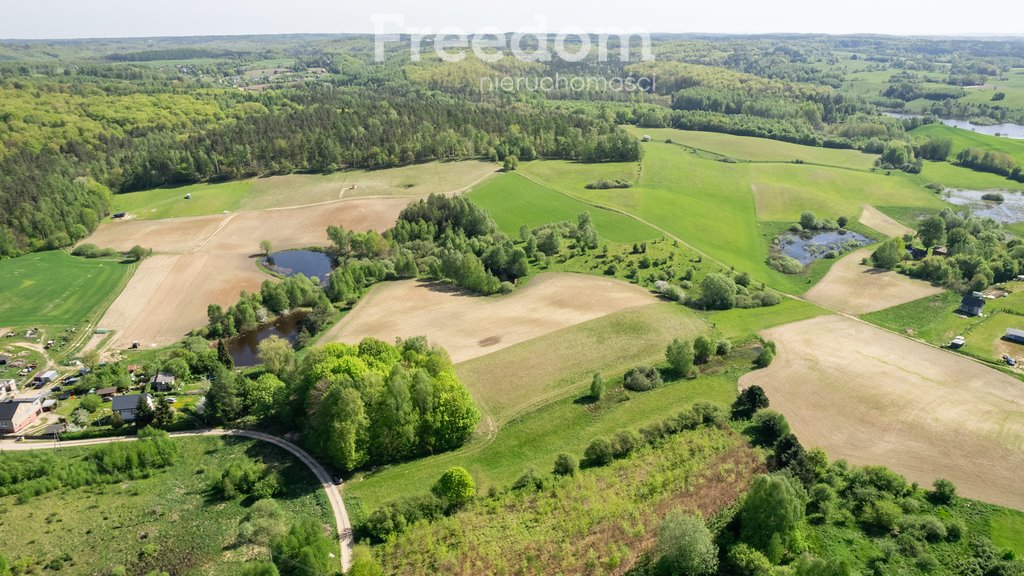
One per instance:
[(209, 259), (873, 397), (854, 288), (301, 189), (57, 289), (877, 220), (470, 326), (967, 139)]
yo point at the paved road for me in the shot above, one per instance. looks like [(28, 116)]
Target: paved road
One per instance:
[(333, 495)]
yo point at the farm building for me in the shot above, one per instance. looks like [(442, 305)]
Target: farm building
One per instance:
[(106, 392), (46, 377), (162, 382), (972, 304), (15, 416), (1014, 335), (126, 406)]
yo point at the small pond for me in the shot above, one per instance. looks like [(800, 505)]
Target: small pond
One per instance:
[(1015, 131), (310, 263), (1009, 211), (808, 248), (244, 347)]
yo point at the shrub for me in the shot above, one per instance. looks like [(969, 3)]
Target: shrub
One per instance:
[(882, 514), (597, 386), (91, 403), (531, 480), (993, 197), (717, 292), (455, 487), (944, 492), (598, 453), (784, 263), (565, 465), (703, 348), (749, 401), (609, 184), (765, 358), (679, 355), (723, 347), (686, 546), (768, 426), (642, 379), (625, 443)]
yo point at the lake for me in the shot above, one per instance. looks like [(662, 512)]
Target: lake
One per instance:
[(1015, 131), (1009, 211), (244, 347), (309, 263), (811, 248)]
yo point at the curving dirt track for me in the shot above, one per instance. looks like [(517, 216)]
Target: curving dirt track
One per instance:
[(849, 388), (470, 326), (851, 287)]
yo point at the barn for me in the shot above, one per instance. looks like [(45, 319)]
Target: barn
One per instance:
[(1014, 335)]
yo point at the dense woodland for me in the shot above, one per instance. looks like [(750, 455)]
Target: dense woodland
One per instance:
[(78, 119)]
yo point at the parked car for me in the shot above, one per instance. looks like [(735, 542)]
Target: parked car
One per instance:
[(170, 399), (1010, 361)]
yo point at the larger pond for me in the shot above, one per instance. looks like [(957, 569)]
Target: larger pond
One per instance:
[(807, 248), (244, 347), (309, 263), (1009, 211), (1008, 130)]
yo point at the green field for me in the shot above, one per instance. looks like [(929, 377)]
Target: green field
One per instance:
[(513, 200), (716, 206), (933, 320), (300, 189), (750, 149), (57, 289), (169, 521), (533, 396), (968, 139)]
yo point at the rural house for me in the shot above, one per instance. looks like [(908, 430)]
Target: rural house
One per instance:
[(162, 382), (1014, 335), (126, 406), (106, 393), (15, 416), (972, 305)]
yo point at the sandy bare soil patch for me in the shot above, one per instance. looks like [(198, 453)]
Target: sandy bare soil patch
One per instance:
[(208, 259), (877, 220), (169, 294), (854, 288), (470, 326), (873, 397)]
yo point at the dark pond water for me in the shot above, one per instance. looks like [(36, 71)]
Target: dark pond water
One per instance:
[(244, 347), (1009, 211), (309, 263), (1015, 131), (818, 246)]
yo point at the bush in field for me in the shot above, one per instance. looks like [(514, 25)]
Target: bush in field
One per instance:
[(609, 184), (768, 426), (723, 347), (679, 355), (598, 453), (597, 386), (771, 514), (455, 488), (305, 549), (703, 348), (641, 379), (686, 546), (565, 465), (717, 292), (749, 401), (944, 492), (625, 443)]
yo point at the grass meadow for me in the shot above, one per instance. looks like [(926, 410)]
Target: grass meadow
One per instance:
[(300, 189), (57, 289), (169, 521)]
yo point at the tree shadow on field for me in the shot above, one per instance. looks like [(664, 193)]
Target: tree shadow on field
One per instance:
[(444, 288)]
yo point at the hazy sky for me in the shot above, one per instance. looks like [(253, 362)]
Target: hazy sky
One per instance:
[(123, 18)]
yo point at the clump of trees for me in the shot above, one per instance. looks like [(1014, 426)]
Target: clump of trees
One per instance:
[(604, 184), (721, 292), (992, 161), (273, 298), (376, 403)]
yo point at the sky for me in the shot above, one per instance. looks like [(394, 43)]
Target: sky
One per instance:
[(25, 19)]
